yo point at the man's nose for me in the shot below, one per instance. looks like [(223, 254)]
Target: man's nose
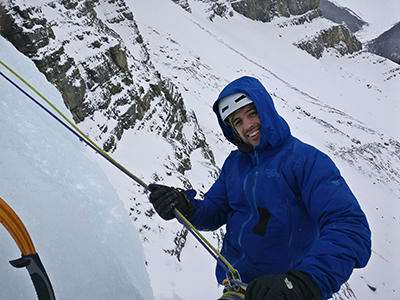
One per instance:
[(247, 123)]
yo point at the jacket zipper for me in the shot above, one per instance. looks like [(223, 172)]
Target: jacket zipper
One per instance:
[(252, 202)]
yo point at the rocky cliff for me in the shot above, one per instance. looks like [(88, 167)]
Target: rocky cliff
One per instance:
[(184, 4), (341, 15), (260, 10), (387, 44), (93, 52), (337, 37), (266, 10)]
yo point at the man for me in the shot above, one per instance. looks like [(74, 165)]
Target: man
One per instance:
[(294, 230)]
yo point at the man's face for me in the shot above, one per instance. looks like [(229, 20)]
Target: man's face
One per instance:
[(247, 124)]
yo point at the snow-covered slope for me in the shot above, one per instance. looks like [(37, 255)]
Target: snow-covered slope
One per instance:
[(379, 16), (78, 224), (346, 106)]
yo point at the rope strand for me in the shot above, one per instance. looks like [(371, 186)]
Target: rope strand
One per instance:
[(83, 137)]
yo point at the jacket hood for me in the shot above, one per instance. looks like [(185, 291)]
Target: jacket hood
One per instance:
[(274, 129)]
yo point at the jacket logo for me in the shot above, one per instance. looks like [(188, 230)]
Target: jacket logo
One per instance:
[(288, 283)]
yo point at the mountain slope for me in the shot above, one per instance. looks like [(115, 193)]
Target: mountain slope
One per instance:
[(387, 44), (316, 96), (341, 15)]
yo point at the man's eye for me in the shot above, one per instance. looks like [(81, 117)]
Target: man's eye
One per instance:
[(253, 113)]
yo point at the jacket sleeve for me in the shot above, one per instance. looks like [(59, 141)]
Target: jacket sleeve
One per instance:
[(344, 241), (211, 212)]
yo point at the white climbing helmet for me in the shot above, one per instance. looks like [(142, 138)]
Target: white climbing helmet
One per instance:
[(231, 103)]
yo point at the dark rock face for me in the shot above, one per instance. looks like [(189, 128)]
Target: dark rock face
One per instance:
[(86, 83), (31, 41), (29, 31), (3, 18), (302, 19), (341, 15), (103, 74), (296, 7), (337, 37), (184, 4), (387, 44), (220, 9), (265, 10)]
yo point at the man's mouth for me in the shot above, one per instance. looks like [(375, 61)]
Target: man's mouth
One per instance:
[(253, 133)]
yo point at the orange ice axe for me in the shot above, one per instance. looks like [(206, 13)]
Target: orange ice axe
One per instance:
[(29, 257)]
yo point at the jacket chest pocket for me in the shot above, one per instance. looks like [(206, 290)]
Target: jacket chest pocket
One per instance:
[(263, 218), (272, 202)]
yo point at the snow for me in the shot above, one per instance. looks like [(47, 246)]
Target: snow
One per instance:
[(325, 101), (261, 50), (379, 18), (343, 105), (77, 222)]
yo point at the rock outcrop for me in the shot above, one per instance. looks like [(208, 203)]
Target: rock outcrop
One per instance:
[(387, 44), (336, 37), (302, 19), (93, 52), (260, 10), (266, 10), (341, 15), (184, 4)]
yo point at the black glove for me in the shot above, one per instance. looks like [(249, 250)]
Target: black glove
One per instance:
[(294, 285), (165, 199)]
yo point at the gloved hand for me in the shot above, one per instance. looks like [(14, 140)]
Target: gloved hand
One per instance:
[(294, 285), (165, 199)]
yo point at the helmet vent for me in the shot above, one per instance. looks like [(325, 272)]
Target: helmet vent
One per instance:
[(231, 103), (240, 98)]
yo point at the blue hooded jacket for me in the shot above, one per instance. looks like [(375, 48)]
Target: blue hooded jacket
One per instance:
[(285, 205)]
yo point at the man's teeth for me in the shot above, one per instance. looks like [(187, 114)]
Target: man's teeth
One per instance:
[(253, 133)]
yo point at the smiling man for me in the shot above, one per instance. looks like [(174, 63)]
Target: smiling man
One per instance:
[(247, 124), (294, 229), (242, 116)]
